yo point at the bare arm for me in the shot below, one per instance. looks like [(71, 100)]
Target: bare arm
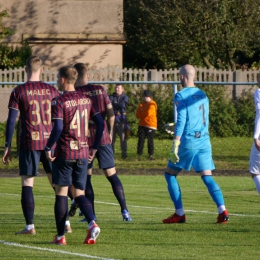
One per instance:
[(111, 119)]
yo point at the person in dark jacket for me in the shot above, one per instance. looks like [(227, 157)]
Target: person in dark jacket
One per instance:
[(119, 101)]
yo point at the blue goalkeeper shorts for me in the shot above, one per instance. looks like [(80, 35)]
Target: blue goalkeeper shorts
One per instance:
[(199, 159)]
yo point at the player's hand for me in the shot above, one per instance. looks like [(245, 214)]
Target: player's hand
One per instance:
[(7, 155), (49, 156), (173, 157), (92, 154), (169, 128)]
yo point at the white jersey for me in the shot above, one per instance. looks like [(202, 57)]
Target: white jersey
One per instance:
[(255, 154)]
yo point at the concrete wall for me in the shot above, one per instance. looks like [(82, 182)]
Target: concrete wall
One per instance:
[(67, 31)]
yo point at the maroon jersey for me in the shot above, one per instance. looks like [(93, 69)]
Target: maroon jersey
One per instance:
[(101, 100), (74, 109), (33, 100)]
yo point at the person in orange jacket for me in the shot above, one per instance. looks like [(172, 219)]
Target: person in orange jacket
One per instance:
[(147, 114)]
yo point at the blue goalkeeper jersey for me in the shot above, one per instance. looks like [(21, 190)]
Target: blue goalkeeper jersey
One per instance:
[(192, 118)]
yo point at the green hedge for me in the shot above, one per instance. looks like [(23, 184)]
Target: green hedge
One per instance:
[(228, 118)]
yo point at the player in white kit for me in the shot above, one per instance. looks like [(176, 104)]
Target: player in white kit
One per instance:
[(254, 167)]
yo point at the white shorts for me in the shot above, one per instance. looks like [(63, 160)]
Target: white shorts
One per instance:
[(254, 166)]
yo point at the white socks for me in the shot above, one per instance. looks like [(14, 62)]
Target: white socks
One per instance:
[(29, 227), (221, 209)]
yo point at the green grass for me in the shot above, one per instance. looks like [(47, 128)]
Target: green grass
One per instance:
[(146, 237), (228, 154)]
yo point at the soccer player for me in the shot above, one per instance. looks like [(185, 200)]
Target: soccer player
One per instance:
[(254, 167), (104, 154), (191, 146), (70, 114), (33, 100)]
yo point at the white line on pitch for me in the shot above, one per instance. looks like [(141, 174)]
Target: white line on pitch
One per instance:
[(146, 207), (53, 250)]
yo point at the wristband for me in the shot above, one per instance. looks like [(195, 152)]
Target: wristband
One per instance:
[(47, 149)]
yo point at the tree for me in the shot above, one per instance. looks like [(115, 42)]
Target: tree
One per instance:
[(10, 56), (170, 33), (4, 31)]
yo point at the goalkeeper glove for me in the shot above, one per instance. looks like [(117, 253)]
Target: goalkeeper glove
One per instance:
[(169, 128), (173, 157)]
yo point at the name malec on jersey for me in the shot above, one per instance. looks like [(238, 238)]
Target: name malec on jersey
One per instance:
[(38, 92)]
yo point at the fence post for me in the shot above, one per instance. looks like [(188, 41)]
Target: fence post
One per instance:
[(238, 76)]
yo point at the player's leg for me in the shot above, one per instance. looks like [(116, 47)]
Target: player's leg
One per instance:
[(141, 139), (28, 166), (175, 194), (254, 168), (150, 142), (47, 166), (79, 180), (74, 205), (172, 170), (203, 164), (107, 163), (61, 177), (89, 191)]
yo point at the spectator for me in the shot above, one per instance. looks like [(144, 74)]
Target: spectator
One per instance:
[(147, 114), (119, 102)]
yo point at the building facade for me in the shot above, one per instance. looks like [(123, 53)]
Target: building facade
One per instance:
[(64, 32)]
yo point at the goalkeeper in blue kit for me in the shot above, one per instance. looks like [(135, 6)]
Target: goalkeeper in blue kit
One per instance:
[(191, 146)]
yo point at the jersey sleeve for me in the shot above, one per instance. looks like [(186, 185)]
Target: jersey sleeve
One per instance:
[(106, 98), (257, 99), (181, 114), (14, 99), (56, 109), (257, 116)]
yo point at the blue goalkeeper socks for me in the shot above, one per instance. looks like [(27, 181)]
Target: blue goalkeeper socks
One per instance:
[(214, 190), (174, 190)]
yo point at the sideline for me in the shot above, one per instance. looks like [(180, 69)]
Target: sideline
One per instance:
[(53, 250)]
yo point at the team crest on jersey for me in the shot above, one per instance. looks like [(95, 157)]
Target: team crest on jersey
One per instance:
[(35, 136), (74, 145), (177, 103), (197, 134), (54, 102)]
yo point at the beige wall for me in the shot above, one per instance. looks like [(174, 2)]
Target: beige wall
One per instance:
[(64, 32)]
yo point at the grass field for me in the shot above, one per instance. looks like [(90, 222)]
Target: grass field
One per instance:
[(228, 154), (146, 237)]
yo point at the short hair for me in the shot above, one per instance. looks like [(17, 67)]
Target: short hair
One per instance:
[(69, 73), (33, 63), (82, 69), (119, 84)]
